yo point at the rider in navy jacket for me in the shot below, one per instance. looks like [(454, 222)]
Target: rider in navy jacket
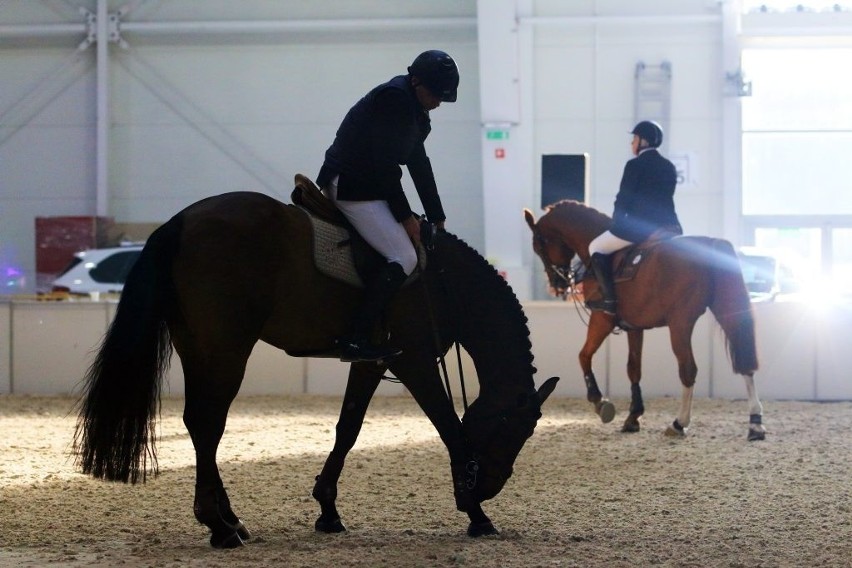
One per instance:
[(644, 204), (386, 128), (645, 200), (362, 175)]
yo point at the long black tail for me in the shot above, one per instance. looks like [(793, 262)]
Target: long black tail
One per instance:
[(115, 437), (732, 307)]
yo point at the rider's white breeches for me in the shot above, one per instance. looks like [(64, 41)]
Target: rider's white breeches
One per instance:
[(607, 243), (376, 224)]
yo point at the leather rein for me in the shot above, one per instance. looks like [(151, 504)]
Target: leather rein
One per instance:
[(429, 245)]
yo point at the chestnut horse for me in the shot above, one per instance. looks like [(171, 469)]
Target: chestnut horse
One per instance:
[(677, 281), (234, 269)]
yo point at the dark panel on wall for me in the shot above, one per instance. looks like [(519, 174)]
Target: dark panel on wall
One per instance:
[(58, 238), (563, 176)]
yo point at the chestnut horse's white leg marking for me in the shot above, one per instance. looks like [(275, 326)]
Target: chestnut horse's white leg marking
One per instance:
[(678, 427), (755, 410), (684, 416), (754, 406)]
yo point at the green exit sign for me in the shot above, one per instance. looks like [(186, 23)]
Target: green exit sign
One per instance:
[(497, 135)]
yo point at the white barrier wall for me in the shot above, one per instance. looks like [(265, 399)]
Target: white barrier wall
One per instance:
[(46, 347), (5, 348)]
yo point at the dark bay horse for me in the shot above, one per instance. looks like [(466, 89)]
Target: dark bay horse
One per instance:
[(675, 284), (237, 268)]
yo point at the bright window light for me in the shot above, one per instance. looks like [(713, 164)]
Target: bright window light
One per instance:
[(796, 148), (797, 132)]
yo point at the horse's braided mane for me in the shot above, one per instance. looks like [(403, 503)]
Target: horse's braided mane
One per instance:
[(509, 303)]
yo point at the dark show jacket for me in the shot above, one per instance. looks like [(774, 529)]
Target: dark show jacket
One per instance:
[(384, 130), (645, 200)]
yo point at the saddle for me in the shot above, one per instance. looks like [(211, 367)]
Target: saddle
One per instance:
[(338, 250), (627, 261)]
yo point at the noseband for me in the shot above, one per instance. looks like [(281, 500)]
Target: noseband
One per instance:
[(566, 272), (569, 274), (498, 421)]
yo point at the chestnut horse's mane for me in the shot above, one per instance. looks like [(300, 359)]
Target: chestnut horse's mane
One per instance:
[(594, 220), (570, 203), (582, 208)]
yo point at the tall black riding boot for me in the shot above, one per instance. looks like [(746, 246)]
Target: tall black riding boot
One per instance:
[(602, 268), (380, 291)]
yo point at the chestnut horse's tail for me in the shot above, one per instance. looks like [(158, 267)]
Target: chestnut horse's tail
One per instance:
[(731, 305), (115, 438)]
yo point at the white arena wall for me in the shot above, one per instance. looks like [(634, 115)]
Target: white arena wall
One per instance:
[(46, 347)]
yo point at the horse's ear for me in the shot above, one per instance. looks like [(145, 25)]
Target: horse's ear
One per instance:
[(528, 215), (546, 388)]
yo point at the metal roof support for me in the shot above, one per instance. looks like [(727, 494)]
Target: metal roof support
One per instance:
[(102, 136), (43, 91), (247, 27), (204, 124), (102, 28), (272, 26)]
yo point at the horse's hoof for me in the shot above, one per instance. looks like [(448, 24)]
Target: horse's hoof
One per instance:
[(329, 527), (756, 435), (242, 531), (605, 410), (630, 427), (672, 432), (481, 529), (231, 540)]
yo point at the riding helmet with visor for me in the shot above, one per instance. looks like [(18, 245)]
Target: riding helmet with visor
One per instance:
[(437, 72)]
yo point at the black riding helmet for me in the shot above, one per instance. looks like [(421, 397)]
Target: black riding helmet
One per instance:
[(438, 73), (649, 131)]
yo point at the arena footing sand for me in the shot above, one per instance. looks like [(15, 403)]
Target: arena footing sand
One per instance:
[(583, 494)]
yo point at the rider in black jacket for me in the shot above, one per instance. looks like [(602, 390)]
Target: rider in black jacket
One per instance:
[(362, 174), (644, 204)]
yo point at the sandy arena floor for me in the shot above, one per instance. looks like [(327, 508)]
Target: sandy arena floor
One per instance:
[(583, 494)]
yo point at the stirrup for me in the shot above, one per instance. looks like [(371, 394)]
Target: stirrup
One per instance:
[(605, 306), (356, 352)]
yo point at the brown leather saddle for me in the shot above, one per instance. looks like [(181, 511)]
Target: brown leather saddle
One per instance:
[(627, 262), (339, 251), (308, 196)]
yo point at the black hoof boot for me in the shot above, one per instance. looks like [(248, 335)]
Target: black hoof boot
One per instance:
[(756, 431), (756, 435)]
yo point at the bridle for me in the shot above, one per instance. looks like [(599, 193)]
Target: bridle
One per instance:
[(429, 236), (569, 273), (500, 418), (471, 468)]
